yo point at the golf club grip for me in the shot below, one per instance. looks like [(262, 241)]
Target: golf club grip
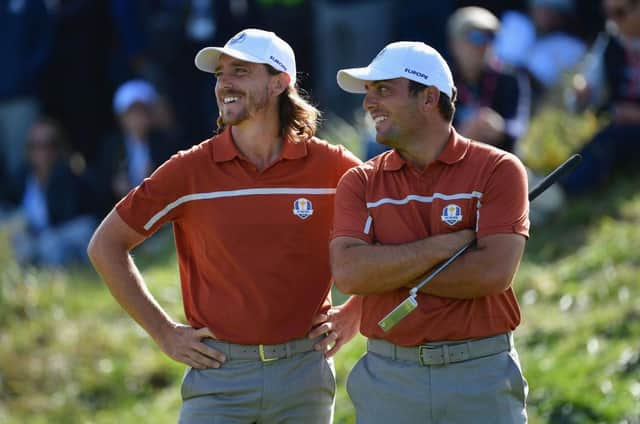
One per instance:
[(554, 176), (546, 182)]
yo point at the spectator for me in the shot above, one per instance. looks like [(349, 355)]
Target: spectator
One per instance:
[(612, 84), (24, 47), (541, 42), (137, 148), (493, 104), (55, 230)]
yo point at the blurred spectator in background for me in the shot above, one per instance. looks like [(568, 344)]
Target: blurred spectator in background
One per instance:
[(50, 227), (493, 103), (139, 145), (25, 45), (346, 33), (611, 83), (541, 42)]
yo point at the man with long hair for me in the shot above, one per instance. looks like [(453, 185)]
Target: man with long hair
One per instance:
[(251, 209)]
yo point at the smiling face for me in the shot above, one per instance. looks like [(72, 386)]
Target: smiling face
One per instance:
[(244, 89), (394, 110)]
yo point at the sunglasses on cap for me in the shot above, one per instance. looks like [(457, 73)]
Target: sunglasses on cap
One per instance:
[(621, 12), (478, 37)]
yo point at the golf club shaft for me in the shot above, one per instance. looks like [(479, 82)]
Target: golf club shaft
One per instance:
[(546, 182)]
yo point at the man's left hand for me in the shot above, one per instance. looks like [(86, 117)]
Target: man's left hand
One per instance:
[(340, 324)]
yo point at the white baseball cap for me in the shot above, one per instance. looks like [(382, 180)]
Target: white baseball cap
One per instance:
[(403, 59), (133, 91), (252, 45)]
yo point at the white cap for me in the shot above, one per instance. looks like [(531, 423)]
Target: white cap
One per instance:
[(404, 59), (133, 91), (252, 45)]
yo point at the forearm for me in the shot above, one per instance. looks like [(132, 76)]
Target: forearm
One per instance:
[(368, 269), (482, 271), (122, 277)]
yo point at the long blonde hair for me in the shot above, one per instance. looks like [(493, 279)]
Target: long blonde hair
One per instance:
[(298, 118)]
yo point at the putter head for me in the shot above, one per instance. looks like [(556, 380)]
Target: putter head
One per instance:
[(398, 313)]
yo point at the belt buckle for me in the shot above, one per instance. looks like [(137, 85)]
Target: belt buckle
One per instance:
[(263, 358), (442, 350)]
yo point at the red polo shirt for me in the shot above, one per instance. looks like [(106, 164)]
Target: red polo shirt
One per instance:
[(389, 201), (252, 245)]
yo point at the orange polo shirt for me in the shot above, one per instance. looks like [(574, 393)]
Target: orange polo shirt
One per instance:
[(388, 201), (252, 245)]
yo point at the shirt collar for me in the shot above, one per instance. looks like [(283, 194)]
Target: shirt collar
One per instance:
[(454, 151), (224, 149)]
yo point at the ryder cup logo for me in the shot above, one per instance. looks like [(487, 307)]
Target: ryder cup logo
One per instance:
[(451, 214), (302, 208)]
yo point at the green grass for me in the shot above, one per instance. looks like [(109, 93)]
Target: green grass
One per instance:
[(69, 354)]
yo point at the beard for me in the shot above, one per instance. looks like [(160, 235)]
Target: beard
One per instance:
[(252, 104)]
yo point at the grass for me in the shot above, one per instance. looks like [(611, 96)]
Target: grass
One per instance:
[(69, 354)]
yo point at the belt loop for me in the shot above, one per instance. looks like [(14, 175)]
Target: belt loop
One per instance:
[(510, 340), (469, 352), (445, 354), (227, 351), (394, 352), (287, 348)]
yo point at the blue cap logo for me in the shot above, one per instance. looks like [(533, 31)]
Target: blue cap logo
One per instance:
[(238, 38)]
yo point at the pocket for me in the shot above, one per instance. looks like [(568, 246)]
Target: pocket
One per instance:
[(519, 385), (352, 380), (329, 374), (184, 390), (199, 382)]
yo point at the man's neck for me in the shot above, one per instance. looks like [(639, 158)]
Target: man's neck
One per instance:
[(425, 149), (259, 141)]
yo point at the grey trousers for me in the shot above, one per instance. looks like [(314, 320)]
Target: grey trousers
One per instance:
[(490, 389), (299, 389)]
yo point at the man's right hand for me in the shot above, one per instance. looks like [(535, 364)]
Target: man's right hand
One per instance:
[(184, 344)]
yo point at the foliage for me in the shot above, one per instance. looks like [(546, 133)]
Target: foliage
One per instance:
[(554, 135)]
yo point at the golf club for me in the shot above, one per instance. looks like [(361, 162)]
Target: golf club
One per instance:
[(410, 303)]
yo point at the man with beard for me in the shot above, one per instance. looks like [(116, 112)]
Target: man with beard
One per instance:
[(251, 210), (452, 360)]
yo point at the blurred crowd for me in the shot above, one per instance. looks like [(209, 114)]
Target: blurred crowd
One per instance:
[(94, 94)]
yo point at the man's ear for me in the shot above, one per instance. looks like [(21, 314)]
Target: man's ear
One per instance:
[(430, 97), (280, 82)]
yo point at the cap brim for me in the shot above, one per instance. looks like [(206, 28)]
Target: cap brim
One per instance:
[(352, 80), (207, 58)]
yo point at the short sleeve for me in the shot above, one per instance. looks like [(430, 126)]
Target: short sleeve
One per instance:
[(351, 216), (505, 205), (157, 199), (346, 161)]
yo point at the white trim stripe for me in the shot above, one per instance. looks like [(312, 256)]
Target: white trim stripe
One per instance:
[(367, 224), (424, 199), (235, 193)]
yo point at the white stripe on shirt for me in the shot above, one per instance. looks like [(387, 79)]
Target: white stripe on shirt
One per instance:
[(235, 193), (424, 199)]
